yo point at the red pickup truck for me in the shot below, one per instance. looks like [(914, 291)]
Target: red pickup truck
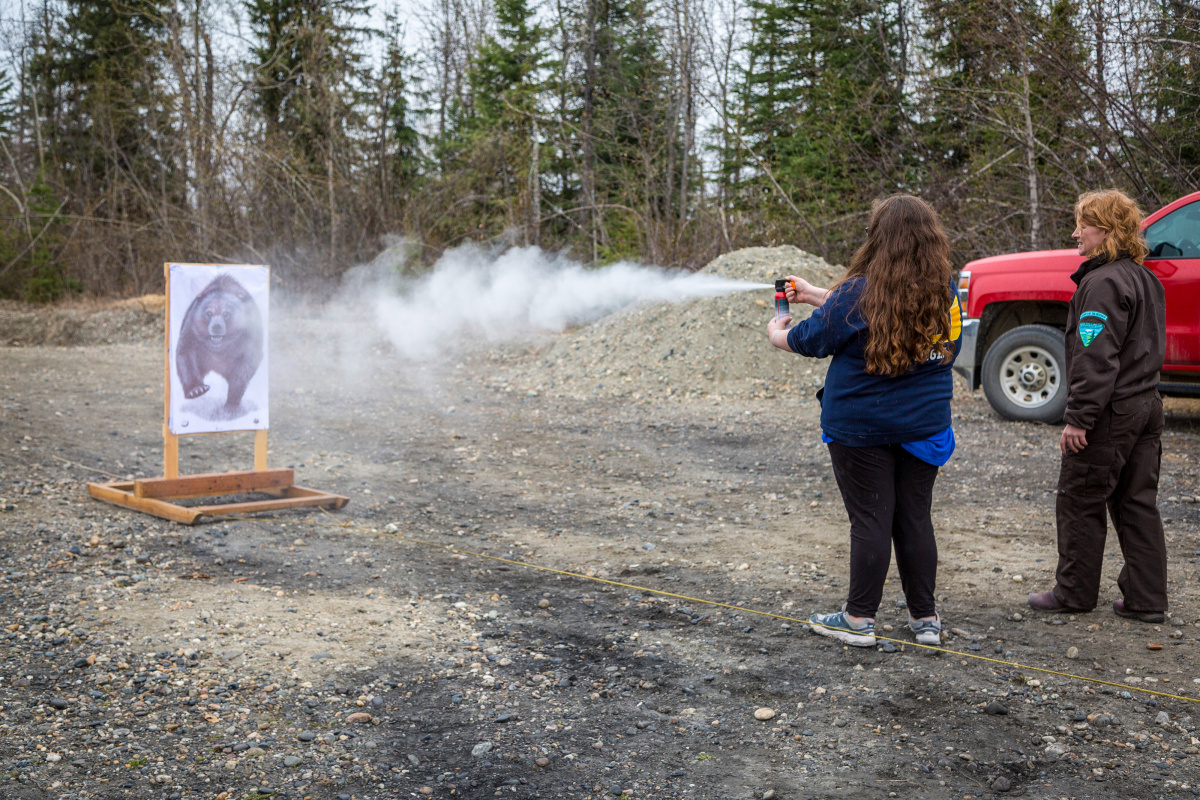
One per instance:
[(1016, 316)]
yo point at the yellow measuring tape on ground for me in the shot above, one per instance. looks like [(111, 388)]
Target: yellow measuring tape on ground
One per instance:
[(743, 609)]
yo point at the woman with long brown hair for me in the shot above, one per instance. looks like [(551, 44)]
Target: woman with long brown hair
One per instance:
[(892, 326)]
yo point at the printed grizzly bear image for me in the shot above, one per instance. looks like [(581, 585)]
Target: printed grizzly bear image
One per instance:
[(222, 332)]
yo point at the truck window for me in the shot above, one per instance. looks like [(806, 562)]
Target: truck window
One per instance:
[(1177, 235)]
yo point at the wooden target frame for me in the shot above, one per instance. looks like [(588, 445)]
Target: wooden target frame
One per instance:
[(156, 495)]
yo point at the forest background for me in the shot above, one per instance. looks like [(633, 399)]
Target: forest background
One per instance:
[(313, 134)]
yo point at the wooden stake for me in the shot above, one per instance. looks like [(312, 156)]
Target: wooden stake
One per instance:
[(170, 454), (260, 450), (170, 440)]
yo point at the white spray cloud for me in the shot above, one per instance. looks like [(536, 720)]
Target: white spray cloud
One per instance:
[(472, 294)]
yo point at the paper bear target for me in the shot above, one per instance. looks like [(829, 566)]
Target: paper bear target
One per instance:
[(217, 348)]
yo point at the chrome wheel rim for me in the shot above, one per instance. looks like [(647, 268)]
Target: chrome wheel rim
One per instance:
[(1030, 376)]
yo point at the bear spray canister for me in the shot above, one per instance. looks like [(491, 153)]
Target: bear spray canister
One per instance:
[(781, 302)]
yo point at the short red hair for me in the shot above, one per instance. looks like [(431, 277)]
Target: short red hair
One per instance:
[(1117, 213)]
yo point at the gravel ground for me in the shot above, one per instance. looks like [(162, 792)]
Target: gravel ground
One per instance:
[(314, 655)]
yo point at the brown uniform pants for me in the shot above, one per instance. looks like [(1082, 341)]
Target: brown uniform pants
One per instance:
[(1118, 469)]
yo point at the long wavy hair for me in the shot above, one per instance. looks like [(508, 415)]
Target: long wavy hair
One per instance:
[(1117, 213), (907, 300)]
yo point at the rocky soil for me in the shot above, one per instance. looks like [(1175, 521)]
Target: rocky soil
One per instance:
[(352, 655)]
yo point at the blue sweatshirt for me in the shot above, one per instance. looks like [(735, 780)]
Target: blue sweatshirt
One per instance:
[(860, 409)]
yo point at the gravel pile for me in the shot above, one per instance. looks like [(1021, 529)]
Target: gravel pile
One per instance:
[(707, 347), (138, 319)]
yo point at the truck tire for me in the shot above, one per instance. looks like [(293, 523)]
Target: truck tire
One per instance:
[(1025, 374)]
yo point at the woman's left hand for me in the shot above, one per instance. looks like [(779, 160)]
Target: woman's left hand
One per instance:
[(1072, 440)]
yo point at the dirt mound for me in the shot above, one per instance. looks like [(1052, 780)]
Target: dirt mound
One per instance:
[(147, 302), (137, 319), (702, 347)]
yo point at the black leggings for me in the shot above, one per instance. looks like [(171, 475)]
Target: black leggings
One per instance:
[(888, 493)]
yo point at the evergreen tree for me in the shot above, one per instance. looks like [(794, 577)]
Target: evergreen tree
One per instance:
[(506, 74), (107, 132), (1176, 98), (960, 39), (309, 94), (501, 138), (398, 144), (403, 162), (633, 130), (823, 106), (104, 89), (1006, 103), (306, 61), (277, 58), (619, 118)]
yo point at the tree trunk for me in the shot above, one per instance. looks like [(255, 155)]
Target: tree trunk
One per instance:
[(1101, 86), (588, 176), (534, 235), (329, 179), (187, 118), (208, 132), (1035, 215)]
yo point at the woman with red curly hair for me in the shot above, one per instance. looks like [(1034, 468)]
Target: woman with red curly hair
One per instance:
[(1112, 443), (892, 325)]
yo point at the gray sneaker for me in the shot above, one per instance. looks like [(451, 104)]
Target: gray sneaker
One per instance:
[(928, 631), (839, 626)]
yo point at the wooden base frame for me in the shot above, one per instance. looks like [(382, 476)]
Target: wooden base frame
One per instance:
[(154, 495)]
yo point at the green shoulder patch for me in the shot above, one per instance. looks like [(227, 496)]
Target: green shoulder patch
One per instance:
[(1088, 331)]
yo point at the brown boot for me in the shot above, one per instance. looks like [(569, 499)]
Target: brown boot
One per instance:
[(1046, 601), (1153, 617)]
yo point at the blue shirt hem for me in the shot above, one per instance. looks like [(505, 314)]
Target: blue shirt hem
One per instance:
[(935, 450)]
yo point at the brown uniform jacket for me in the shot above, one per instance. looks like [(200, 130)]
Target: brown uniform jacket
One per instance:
[(1116, 336)]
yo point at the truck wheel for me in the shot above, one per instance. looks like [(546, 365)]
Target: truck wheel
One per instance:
[(1025, 375)]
